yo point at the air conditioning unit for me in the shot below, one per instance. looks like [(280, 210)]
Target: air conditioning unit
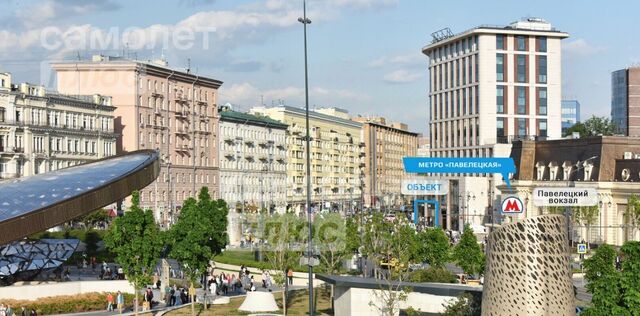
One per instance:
[(628, 155)]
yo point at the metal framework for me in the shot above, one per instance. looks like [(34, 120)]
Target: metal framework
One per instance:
[(36, 203), (27, 259)]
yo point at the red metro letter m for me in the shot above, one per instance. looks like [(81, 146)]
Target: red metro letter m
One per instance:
[(512, 206)]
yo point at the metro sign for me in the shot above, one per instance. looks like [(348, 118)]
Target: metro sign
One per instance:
[(512, 205)]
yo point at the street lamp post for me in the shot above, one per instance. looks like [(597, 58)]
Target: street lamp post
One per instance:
[(304, 20)]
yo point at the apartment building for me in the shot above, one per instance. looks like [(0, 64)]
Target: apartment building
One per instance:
[(491, 85), (162, 108), (253, 166), (336, 159), (385, 144), (42, 131), (625, 100)]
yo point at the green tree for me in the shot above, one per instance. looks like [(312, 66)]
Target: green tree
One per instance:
[(198, 235), (604, 283), (91, 240), (577, 128), (468, 254), (632, 214), (630, 276), (464, 305), (95, 217), (586, 215), (352, 238), (136, 241), (596, 125), (282, 232), (434, 247)]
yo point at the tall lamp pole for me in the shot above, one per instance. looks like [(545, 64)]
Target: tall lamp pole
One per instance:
[(304, 20)]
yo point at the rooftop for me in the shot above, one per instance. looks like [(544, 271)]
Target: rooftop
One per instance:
[(239, 117)]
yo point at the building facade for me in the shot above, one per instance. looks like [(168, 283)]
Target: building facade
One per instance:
[(384, 147), (42, 131), (570, 114), (625, 100), (490, 86), (336, 159), (161, 108), (608, 164)]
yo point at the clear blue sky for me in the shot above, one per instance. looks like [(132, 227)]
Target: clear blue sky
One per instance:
[(364, 55)]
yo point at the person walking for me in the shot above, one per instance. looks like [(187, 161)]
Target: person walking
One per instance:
[(109, 302), (23, 311), (120, 301), (290, 276), (167, 295)]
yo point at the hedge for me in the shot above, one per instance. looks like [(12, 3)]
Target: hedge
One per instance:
[(65, 304)]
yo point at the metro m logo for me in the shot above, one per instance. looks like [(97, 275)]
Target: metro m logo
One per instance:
[(512, 205)]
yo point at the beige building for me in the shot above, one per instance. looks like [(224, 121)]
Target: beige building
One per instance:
[(489, 86), (162, 108), (336, 162), (385, 144), (41, 131)]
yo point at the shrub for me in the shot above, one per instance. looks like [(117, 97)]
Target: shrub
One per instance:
[(67, 303), (431, 274)]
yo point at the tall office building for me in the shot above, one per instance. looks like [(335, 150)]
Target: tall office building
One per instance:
[(42, 131), (625, 100), (161, 108), (336, 159), (570, 114), (489, 86), (385, 144)]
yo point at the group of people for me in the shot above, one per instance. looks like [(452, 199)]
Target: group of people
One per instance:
[(6, 310), (174, 296), (106, 273), (117, 302)]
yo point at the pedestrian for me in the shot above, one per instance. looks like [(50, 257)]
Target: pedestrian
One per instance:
[(33, 312), (3, 310), (109, 302), (23, 311), (120, 301), (9, 311), (264, 279), (120, 273), (176, 296), (290, 276), (268, 281), (173, 298), (167, 295)]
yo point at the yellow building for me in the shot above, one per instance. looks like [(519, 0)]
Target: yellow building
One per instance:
[(336, 159)]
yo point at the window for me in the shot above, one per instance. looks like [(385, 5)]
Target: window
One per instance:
[(521, 43), (542, 128), (464, 101), (542, 101), (542, 69), (522, 100), (463, 70), (500, 99), (499, 67), (521, 69), (499, 41), (522, 126), (542, 44), (500, 127)]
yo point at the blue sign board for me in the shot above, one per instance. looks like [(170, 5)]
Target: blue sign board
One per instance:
[(504, 166)]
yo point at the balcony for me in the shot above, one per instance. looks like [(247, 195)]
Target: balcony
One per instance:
[(182, 115), (181, 131)]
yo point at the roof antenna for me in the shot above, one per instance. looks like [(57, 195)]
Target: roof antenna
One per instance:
[(188, 65)]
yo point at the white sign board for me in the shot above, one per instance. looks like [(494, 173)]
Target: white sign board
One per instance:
[(424, 187), (565, 196)]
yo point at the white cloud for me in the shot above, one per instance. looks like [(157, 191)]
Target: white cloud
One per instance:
[(248, 95), (408, 59), (402, 76), (580, 47)]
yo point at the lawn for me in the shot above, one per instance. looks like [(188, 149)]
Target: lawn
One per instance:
[(298, 305)]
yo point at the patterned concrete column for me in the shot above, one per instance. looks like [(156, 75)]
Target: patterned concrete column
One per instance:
[(527, 269)]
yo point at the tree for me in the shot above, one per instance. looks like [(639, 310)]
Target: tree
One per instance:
[(330, 238), (577, 128), (586, 215), (198, 235), (389, 245), (136, 241), (468, 254), (632, 214), (95, 217), (630, 276), (283, 232), (464, 305), (604, 283), (352, 238), (433, 247)]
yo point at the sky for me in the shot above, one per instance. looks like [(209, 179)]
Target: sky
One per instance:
[(364, 55)]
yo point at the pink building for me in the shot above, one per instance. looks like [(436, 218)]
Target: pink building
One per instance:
[(159, 108)]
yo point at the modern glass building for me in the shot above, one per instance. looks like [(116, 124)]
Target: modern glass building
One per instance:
[(570, 114), (620, 107)]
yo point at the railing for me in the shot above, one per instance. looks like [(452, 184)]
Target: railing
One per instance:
[(511, 138), (59, 126)]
